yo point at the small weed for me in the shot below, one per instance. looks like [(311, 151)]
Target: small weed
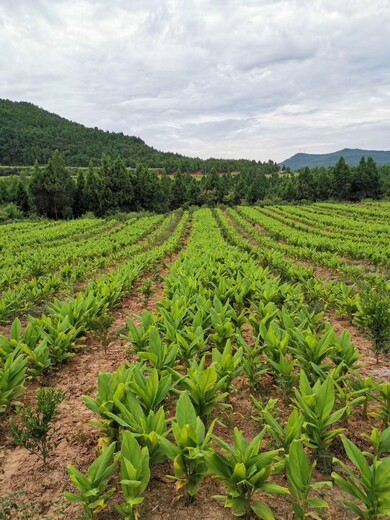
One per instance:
[(375, 316), (101, 328), (146, 289), (14, 506), (33, 429)]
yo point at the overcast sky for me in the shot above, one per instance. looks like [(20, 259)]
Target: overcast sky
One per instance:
[(257, 79)]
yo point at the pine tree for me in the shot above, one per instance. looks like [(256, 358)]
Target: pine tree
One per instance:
[(147, 189), (92, 190), (21, 199), (374, 187), (166, 192), (79, 204), (179, 190), (342, 180), (119, 183), (306, 185), (52, 188)]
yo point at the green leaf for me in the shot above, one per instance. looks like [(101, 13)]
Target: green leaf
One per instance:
[(298, 465), (357, 458), (316, 503), (262, 511), (185, 411)]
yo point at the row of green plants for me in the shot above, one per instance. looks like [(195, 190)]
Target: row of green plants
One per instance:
[(343, 297), (319, 227), (300, 235), (102, 253), (366, 302), (29, 260), (371, 211), (56, 336), (323, 258), (61, 269), (18, 234), (223, 320), (340, 225)]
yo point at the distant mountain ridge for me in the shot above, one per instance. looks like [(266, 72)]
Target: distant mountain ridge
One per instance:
[(351, 155)]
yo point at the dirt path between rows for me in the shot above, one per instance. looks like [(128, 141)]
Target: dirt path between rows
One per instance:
[(370, 368)]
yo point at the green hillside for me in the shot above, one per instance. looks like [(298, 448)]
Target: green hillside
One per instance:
[(351, 156), (29, 133)]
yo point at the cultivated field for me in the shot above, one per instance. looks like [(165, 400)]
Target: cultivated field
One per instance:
[(217, 362)]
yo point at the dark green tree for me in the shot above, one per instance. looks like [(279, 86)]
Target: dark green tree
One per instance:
[(193, 191), (374, 187), (212, 184), (22, 199), (323, 180), (52, 189), (342, 180), (166, 192), (179, 190), (3, 192), (306, 185), (257, 188), (92, 190), (147, 189)]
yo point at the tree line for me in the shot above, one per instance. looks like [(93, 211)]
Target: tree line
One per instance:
[(110, 187)]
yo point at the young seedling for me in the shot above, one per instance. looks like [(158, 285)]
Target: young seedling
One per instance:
[(284, 436), (12, 377), (299, 476), (317, 403), (135, 476), (93, 487), (244, 470), (147, 428), (368, 485), (204, 388), (191, 444)]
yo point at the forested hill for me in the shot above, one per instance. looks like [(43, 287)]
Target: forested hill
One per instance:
[(351, 156), (29, 133)]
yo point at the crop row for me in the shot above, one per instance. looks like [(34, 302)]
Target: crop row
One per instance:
[(323, 258), (39, 260), (374, 211), (77, 262), (343, 297), (344, 225), (300, 235)]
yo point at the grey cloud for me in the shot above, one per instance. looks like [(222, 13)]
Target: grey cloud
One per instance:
[(251, 78)]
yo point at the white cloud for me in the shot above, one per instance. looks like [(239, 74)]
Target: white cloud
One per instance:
[(233, 78)]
